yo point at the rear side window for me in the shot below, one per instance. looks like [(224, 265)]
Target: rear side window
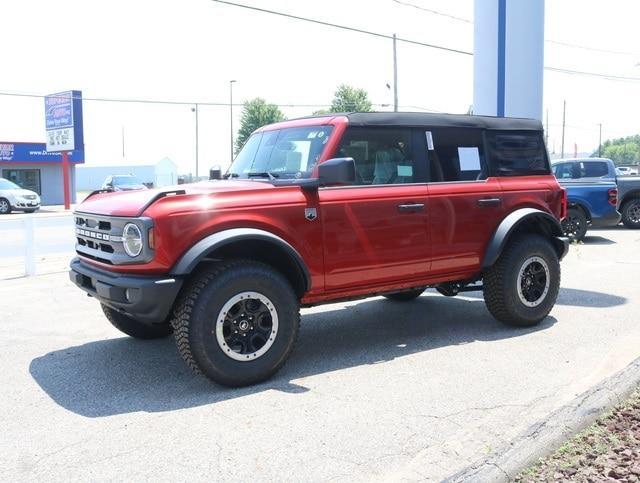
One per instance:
[(455, 155), (517, 153), (593, 169)]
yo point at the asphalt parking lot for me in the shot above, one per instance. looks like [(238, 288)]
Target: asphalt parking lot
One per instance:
[(375, 390)]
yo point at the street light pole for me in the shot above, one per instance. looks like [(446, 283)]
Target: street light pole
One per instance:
[(395, 76), (600, 141), (231, 115), (195, 109), (564, 111)]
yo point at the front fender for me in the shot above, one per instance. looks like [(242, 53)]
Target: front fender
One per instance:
[(199, 251), (514, 220)]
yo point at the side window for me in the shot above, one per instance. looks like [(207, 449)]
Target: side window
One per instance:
[(566, 171), (456, 154), (594, 169), (382, 155), (517, 153)]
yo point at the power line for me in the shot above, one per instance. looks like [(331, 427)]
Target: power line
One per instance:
[(160, 101), (193, 103), (429, 10), (593, 74), (344, 27), (557, 42), (377, 34), (593, 49)]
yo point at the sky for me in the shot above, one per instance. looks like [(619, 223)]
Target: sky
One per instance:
[(188, 51)]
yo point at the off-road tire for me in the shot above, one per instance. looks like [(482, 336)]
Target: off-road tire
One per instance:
[(574, 226), (405, 296), (134, 328), (628, 215), (500, 282), (200, 304), (5, 206)]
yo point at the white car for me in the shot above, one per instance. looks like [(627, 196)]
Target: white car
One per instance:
[(12, 197), (626, 171)]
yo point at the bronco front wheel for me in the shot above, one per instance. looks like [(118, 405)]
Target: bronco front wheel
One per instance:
[(521, 288), (237, 322)]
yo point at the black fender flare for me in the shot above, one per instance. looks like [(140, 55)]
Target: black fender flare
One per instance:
[(201, 249), (509, 225), (628, 196), (581, 206)]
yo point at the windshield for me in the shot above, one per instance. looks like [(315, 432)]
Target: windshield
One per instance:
[(283, 153), (125, 181), (5, 184)]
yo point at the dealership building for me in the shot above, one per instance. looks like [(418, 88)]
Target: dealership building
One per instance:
[(30, 166)]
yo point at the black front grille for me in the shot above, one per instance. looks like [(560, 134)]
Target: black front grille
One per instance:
[(100, 238), (94, 233)]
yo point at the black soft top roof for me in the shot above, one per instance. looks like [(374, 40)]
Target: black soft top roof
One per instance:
[(420, 119)]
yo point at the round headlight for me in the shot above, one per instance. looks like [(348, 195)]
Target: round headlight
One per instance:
[(132, 240)]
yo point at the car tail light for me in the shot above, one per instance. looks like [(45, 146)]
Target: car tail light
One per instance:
[(613, 196), (563, 203)]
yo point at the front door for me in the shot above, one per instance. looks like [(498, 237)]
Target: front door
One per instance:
[(375, 232)]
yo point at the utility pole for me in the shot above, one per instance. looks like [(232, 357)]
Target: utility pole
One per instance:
[(195, 109), (395, 75), (600, 141), (546, 131), (231, 115), (564, 111)]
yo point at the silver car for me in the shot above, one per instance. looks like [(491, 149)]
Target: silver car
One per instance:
[(12, 197)]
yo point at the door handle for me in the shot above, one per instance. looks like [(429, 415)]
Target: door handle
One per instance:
[(411, 207), (489, 201)]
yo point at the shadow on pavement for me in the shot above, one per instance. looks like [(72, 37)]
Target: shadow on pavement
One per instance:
[(119, 376), (577, 298), (597, 240)]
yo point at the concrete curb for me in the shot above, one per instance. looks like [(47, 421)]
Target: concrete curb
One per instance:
[(547, 435)]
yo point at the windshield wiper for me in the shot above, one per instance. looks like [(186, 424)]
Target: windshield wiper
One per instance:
[(263, 174), (231, 175)]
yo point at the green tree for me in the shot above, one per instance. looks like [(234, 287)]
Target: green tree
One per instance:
[(256, 113), (622, 150), (350, 99)]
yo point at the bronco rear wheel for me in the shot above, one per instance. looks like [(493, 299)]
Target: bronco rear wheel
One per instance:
[(133, 328), (521, 288), (237, 322), (405, 296)]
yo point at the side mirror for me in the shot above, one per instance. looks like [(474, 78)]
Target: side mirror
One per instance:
[(215, 173), (337, 171)]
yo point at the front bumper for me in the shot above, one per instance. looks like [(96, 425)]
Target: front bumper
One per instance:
[(610, 219), (25, 205), (144, 298)]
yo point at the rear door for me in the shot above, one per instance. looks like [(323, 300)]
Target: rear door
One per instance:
[(375, 232), (465, 202)]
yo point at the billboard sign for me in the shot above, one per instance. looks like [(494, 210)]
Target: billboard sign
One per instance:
[(63, 121), (15, 153)]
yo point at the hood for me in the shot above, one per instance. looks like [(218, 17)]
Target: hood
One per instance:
[(135, 202), (23, 192)]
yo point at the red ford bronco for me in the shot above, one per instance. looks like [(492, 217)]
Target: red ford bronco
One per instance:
[(323, 209)]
